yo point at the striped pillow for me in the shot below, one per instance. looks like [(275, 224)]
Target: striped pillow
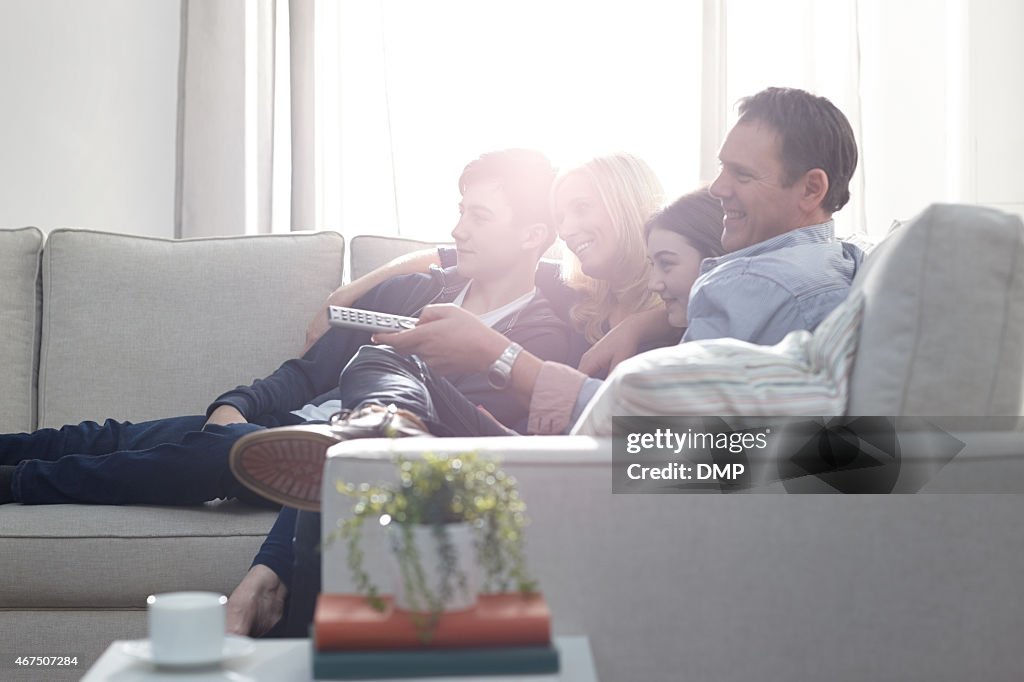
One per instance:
[(804, 374)]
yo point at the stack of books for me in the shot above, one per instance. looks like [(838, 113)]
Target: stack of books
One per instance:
[(505, 634)]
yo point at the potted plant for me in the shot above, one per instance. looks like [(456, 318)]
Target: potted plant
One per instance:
[(441, 509)]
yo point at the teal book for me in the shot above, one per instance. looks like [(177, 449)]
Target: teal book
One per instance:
[(512, 660)]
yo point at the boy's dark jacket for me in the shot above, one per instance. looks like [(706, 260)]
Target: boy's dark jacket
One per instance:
[(313, 378)]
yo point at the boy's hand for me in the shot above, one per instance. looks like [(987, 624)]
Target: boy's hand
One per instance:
[(347, 295), (224, 415), (256, 604)]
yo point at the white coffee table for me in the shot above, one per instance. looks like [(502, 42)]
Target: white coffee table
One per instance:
[(289, 660)]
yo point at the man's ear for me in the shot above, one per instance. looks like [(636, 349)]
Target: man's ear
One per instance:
[(815, 187), (537, 238)]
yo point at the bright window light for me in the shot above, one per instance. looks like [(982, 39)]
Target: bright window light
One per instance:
[(423, 88)]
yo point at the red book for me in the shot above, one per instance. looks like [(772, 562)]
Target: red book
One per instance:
[(346, 622)]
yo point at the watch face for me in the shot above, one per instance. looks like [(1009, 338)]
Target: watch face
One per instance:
[(497, 378)]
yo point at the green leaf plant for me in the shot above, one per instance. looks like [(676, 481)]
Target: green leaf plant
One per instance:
[(438, 490)]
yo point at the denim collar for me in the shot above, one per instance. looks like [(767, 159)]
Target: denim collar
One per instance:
[(822, 233)]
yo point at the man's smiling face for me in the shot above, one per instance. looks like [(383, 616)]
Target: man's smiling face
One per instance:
[(758, 201)]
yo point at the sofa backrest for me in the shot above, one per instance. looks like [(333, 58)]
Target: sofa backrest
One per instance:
[(943, 328), (367, 252), (20, 250), (140, 328)]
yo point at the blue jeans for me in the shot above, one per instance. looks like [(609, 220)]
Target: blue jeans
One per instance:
[(168, 461)]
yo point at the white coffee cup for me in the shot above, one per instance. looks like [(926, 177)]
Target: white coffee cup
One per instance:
[(186, 628)]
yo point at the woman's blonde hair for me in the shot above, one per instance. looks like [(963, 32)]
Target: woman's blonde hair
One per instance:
[(631, 193)]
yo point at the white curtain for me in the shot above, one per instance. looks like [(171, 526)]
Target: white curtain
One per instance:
[(411, 91), (245, 120), (897, 69), (359, 116), (804, 44)]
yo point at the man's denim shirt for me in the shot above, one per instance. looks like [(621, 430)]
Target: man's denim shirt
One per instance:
[(764, 291)]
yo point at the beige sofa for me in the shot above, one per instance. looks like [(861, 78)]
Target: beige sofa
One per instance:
[(668, 587), (99, 325)]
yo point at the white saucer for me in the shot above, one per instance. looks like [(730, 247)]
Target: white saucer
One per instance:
[(235, 646)]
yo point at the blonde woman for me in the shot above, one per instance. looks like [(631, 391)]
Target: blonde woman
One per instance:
[(600, 208)]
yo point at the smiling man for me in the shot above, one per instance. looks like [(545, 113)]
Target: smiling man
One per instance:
[(786, 168)]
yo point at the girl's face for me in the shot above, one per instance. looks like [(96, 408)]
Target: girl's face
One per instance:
[(675, 266), (585, 226)]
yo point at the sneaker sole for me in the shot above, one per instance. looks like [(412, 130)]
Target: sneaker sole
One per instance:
[(283, 465)]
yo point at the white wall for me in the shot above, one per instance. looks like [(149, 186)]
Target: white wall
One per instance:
[(88, 118)]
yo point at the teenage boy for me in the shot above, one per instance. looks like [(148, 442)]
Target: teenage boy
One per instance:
[(503, 229)]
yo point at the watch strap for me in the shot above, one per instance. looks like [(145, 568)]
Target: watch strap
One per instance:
[(501, 369)]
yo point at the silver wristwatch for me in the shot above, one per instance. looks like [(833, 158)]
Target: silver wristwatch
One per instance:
[(501, 369)]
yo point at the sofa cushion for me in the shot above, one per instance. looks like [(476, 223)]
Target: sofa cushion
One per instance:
[(139, 328), (19, 334), (72, 556), (804, 374), (943, 329)]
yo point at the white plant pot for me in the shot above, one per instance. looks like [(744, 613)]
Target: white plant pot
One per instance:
[(465, 582)]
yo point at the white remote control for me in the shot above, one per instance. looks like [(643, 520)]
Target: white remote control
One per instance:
[(367, 320)]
